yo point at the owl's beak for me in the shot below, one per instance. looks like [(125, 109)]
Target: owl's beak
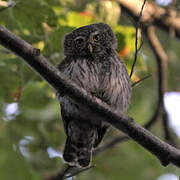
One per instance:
[(90, 47)]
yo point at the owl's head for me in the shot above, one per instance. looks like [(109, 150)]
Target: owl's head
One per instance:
[(90, 40)]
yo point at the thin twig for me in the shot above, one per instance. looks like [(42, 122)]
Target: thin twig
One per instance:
[(110, 144), (78, 172), (60, 175), (144, 78), (136, 41)]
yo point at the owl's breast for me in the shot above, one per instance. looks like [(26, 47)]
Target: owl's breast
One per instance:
[(84, 73)]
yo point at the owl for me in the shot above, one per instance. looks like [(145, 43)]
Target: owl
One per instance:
[(91, 61)]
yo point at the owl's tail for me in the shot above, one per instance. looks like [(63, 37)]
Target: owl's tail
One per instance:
[(79, 145)]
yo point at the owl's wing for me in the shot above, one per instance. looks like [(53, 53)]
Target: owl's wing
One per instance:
[(63, 66), (115, 85), (65, 118)]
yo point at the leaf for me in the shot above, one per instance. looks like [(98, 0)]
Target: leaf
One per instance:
[(74, 19), (126, 37)]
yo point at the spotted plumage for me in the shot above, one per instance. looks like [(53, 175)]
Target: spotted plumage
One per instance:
[(92, 63)]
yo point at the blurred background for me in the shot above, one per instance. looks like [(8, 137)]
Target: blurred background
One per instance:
[(31, 130)]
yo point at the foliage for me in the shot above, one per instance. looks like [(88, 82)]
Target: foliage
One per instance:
[(27, 133)]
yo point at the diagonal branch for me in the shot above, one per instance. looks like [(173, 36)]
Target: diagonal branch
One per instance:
[(163, 151)]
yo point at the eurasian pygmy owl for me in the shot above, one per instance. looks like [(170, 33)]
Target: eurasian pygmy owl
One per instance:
[(92, 63)]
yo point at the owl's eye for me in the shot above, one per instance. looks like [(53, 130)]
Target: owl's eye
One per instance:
[(79, 41), (96, 37)]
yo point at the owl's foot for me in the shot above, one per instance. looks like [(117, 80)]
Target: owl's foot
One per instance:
[(80, 163), (77, 156)]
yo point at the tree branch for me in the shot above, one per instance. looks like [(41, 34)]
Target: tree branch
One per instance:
[(152, 14), (5, 5), (78, 172), (60, 176), (142, 79), (161, 59), (110, 144), (163, 151), (136, 41)]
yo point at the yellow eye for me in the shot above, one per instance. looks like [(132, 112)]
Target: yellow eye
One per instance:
[(96, 37)]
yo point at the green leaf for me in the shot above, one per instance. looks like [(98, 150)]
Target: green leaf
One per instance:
[(125, 36), (74, 19)]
